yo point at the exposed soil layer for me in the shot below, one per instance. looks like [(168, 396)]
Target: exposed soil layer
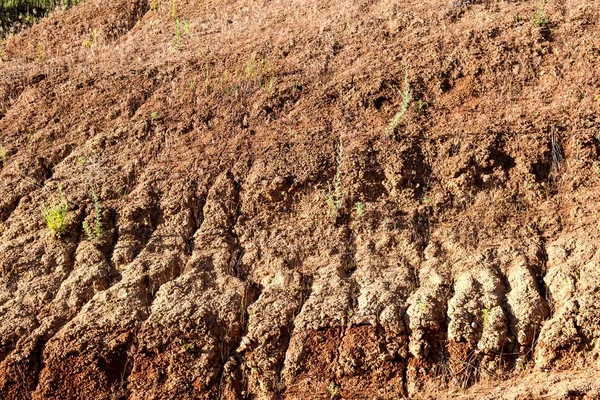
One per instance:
[(267, 234)]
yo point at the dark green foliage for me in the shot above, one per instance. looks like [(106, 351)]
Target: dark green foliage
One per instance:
[(17, 14), (36, 3)]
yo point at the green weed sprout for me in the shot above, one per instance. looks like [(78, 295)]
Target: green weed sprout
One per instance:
[(177, 40), (3, 155), (406, 99), (55, 216), (173, 12), (97, 232), (540, 19), (360, 208)]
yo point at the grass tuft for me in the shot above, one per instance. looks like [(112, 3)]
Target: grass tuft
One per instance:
[(3, 155), (540, 18), (406, 99), (97, 232), (360, 208), (55, 216)]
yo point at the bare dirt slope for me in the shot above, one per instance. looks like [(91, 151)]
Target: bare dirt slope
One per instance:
[(456, 251)]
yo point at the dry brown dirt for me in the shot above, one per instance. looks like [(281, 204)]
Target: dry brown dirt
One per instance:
[(213, 131)]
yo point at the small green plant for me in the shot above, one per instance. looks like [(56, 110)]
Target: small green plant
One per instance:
[(97, 232), (359, 207), (189, 347), (181, 28), (540, 18), (173, 12), (80, 160), (226, 78), (406, 99), (251, 71), (92, 42), (486, 315), (421, 106), (332, 389), (335, 194), (178, 39), (257, 68), (39, 52), (88, 231), (154, 5), (421, 305), (270, 86), (55, 215), (595, 166), (154, 116), (3, 155)]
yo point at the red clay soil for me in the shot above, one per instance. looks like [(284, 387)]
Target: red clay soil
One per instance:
[(263, 231)]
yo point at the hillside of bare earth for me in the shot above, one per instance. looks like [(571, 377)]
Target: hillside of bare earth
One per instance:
[(302, 199)]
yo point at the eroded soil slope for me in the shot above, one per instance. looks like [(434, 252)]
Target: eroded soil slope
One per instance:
[(266, 234)]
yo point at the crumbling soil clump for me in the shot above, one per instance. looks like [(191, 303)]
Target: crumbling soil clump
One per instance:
[(301, 200)]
